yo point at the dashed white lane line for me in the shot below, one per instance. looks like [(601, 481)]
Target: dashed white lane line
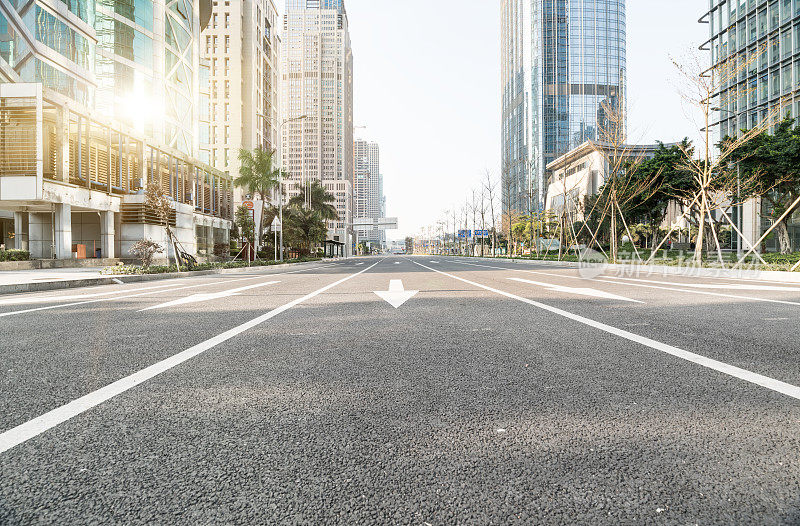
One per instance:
[(161, 289), (610, 279), (198, 298), (748, 376), (712, 286), (578, 291), (24, 432)]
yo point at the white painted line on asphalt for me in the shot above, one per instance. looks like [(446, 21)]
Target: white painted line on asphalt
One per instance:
[(608, 279), (723, 286), (748, 376), (24, 432), (579, 291), (699, 292), (118, 281), (396, 262), (197, 298), (435, 262), (162, 289), (46, 299), (396, 295)]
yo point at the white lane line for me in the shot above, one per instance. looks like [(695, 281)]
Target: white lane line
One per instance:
[(608, 279), (24, 432), (579, 291), (748, 376), (46, 299), (118, 281), (198, 298), (162, 290), (700, 292), (396, 262), (723, 286)]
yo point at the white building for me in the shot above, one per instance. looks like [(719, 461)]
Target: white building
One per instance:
[(368, 198), (98, 99), (241, 47), (317, 82)]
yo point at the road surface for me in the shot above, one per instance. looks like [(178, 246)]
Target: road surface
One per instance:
[(402, 390)]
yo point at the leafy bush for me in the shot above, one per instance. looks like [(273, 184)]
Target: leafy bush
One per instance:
[(164, 269), (15, 255), (144, 250)]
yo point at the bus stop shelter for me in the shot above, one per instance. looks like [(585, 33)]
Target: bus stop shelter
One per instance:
[(334, 249)]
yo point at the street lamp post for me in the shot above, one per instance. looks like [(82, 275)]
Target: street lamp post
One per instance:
[(280, 171)]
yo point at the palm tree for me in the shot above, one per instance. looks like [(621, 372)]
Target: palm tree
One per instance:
[(304, 227), (320, 202), (259, 176)]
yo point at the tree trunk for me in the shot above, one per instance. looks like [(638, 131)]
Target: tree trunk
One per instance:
[(701, 229), (614, 242), (784, 241)]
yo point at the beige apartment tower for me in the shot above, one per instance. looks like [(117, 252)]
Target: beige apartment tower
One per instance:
[(241, 49), (317, 82)]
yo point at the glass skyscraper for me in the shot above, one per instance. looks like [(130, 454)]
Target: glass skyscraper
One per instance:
[(563, 65)]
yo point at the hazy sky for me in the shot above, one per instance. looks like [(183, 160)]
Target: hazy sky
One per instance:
[(427, 88)]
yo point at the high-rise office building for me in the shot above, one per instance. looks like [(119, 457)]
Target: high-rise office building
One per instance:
[(317, 83), (766, 36), (98, 99), (368, 199), (563, 67), (241, 47)]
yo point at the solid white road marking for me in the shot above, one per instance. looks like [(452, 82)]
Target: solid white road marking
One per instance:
[(396, 262), (435, 262), (118, 281), (396, 295), (197, 298), (748, 376), (608, 279), (160, 291), (700, 292), (580, 291), (45, 299), (37, 426), (163, 288), (723, 286)]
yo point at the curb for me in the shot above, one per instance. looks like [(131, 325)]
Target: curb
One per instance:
[(21, 288), (651, 270)]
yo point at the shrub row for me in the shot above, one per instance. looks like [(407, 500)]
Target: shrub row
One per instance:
[(166, 269), (15, 255)]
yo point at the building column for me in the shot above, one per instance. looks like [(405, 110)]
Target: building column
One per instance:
[(21, 230), (107, 234), (63, 231)]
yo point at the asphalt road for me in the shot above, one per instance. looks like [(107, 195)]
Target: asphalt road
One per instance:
[(498, 393)]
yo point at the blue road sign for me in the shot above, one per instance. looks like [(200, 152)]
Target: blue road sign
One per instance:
[(465, 233), (481, 233)]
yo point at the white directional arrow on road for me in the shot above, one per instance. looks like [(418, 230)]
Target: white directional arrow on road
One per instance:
[(579, 291), (396, 295), (197, 298)]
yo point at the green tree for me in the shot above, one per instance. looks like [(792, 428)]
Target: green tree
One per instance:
[(245, 223), (303, 228), (321, 201), (259, 176), (774, 160)]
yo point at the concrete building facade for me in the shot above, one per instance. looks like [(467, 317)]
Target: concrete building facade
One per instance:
[(317, 83), (765, 33), (563, 64), (368, 195), (74, 159), (241, 47)]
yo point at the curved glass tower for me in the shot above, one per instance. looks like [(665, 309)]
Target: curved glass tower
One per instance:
[(563, 64)]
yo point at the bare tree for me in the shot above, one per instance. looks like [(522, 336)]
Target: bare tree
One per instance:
[(490, 187), (713, 183), (156, 201)]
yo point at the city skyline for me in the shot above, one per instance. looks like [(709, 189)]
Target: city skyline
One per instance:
[(656, 110)]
